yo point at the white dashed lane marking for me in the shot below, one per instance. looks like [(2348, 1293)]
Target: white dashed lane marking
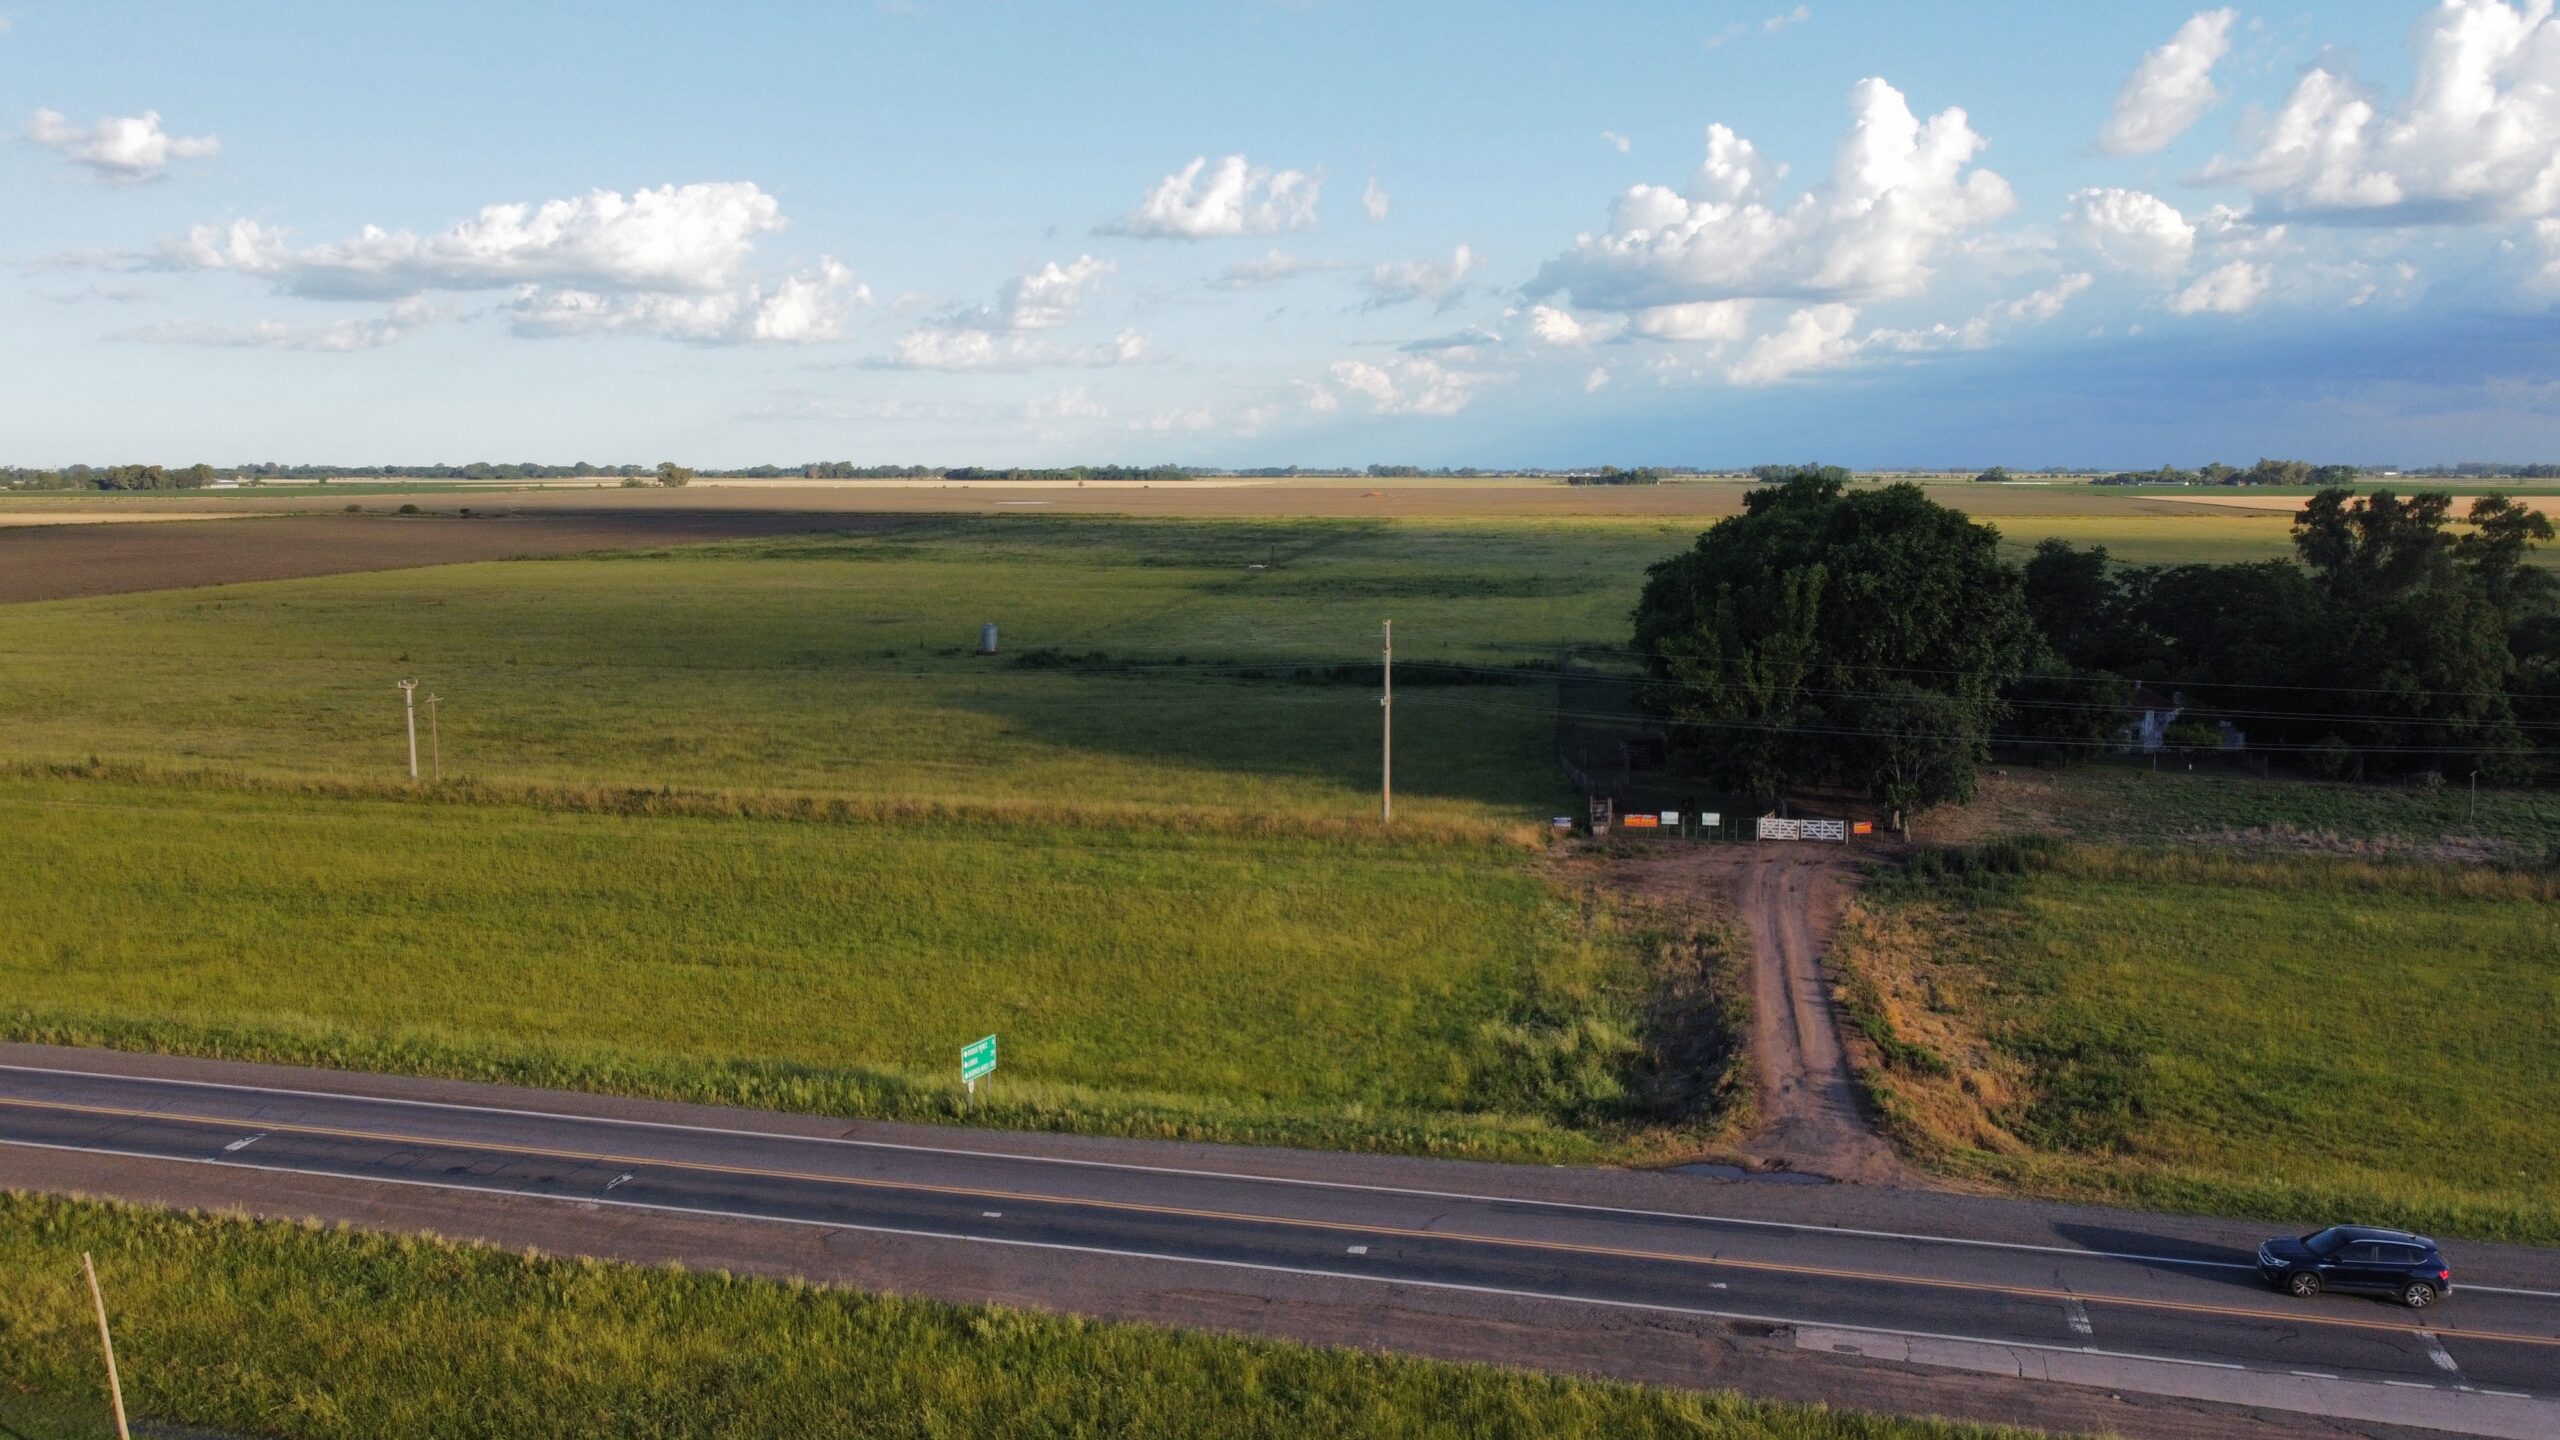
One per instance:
[(245, 1144), (2077, 1316)]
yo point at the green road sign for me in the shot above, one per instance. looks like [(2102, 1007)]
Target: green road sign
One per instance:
[(979, 1059)]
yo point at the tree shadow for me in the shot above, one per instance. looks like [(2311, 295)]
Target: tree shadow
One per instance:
[(1492, 744)]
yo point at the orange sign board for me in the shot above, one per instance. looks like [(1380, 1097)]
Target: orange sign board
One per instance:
[(1640, 822), (1862, 827)]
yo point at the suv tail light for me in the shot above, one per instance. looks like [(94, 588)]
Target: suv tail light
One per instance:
[(2444, 1274)]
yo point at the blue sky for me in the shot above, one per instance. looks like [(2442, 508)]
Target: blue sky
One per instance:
[(1272, 233)]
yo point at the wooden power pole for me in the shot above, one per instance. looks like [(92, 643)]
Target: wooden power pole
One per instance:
[(106, 1343)]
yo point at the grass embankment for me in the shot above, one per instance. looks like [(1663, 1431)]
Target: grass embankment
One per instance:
[(1256, 986), (277, 1330), (2304, 1039)]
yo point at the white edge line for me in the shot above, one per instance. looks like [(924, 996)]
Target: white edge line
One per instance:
[(1246, 1176), (1507, 1292)]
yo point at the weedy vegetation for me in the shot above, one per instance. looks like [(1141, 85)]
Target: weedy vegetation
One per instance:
[(266, 1329), (2300, 1038)]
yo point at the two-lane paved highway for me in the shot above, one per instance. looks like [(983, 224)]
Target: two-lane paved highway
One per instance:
[(2493, 1344)]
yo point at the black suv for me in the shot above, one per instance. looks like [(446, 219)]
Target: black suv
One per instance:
[(2359, 1257)]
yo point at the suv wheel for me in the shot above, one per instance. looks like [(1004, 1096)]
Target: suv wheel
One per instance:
[(2418, 1295), (2303, 1283)]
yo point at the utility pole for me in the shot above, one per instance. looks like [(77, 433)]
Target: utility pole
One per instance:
[(1387, 733), (2473, 818), (106, 1342), (409, 700), (435, 738)]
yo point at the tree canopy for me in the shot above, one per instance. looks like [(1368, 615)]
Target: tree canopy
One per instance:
[(1824, 637), (2394, 644)]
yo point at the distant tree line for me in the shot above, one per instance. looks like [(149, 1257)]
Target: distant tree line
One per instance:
[(2391, 645), (847, 470), (1612, 475), (110, 477), (1873, 638), (2265, 472), (2489, 470), (1783, 474)]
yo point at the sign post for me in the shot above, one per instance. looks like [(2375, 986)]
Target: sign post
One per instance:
[(977, 1061)]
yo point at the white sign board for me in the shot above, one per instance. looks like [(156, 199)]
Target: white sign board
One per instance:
[(1773, 828), (1671, 819)]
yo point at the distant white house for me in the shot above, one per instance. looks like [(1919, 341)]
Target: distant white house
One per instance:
[(2153, 714)]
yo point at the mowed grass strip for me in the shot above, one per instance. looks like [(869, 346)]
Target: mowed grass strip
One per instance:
[(1267, 987), (2308, 1039), (268, 1329)]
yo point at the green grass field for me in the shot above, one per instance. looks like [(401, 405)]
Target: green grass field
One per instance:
[(1249, 986), (843, 665), (2307, 1039), (308, 1334), (2127, 804), (750, 822)]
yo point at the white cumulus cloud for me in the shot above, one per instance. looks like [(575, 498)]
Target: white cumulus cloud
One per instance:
[(676, 238), (2171, 89), (1373, 200), (1709, 320), (2477, 138), (1562, 328), (1416, 386), (2130, 230), (2044, 304), (801, 309), (1900, 190), (123, 149), (1396, 283), (1237, 198), (1616, 141), (1813, 338), (2226, 290), (1047, 297), (941, 347)]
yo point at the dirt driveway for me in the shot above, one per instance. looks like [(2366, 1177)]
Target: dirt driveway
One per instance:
[(1810, 1115), (1787, 898)]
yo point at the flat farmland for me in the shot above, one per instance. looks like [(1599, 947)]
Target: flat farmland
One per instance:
[(752, 821), (61, 550), (305, 531), (1358, 993), (1154, 665)]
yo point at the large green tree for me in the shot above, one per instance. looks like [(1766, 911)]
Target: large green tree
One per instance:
[(1824, 637)]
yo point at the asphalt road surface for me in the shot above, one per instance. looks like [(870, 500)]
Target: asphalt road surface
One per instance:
[(2486, 1361)]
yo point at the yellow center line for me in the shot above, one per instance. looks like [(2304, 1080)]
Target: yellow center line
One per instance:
[(1777, 1267)]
